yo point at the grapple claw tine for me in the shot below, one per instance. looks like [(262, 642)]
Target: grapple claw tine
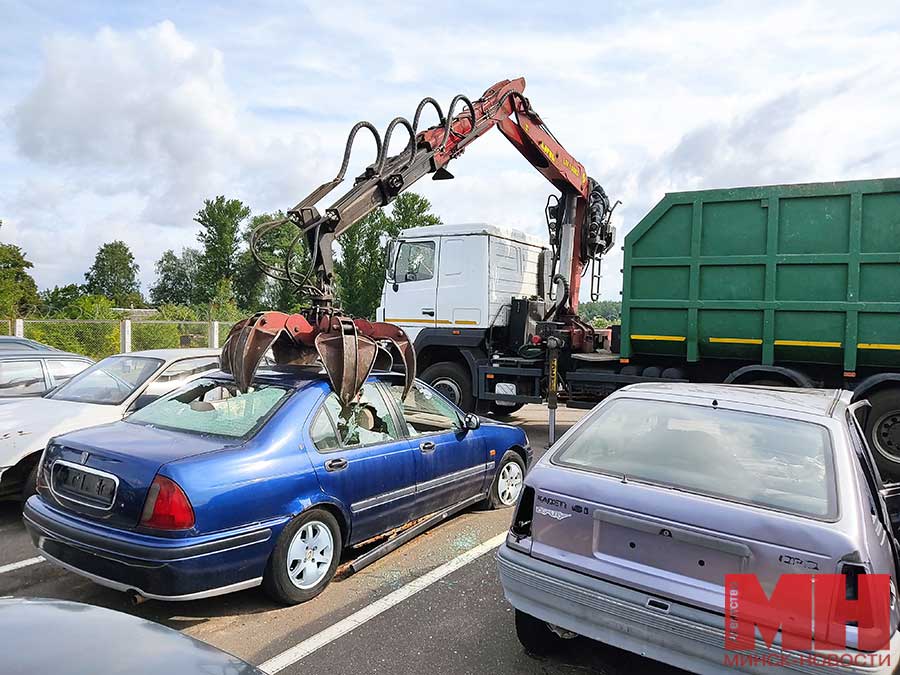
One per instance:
[(348, 359), (247, 344)]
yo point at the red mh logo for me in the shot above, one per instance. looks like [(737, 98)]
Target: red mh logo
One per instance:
[(812, 612)]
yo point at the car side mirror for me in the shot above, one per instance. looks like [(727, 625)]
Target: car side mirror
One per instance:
[(471, 421)]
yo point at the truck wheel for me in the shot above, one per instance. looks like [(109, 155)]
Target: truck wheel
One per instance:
[(304, 559), (536, 636), (453, 382), (883, 432), (505, 410)]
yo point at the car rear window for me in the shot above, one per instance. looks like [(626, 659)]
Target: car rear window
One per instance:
[(765, 461), (208, 406)]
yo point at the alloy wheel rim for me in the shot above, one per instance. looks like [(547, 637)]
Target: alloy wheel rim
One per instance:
[(509, 484), (448, 389), (310, 555)]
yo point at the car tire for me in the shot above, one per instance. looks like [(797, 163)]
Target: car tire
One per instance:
[(508, 481), (453, 382), (536, 636), (300, 545), (29, 488), (883, 432)]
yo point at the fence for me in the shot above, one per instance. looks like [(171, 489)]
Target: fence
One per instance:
[(98, 339)]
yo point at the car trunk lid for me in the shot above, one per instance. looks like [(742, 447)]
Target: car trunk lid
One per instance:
[(104, 472), (670, 543)]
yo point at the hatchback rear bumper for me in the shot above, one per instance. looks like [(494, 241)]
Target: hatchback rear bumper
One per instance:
[(688, 638), (155, 567)]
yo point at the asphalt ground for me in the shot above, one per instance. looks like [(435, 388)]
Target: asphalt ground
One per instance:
[(460, 623)]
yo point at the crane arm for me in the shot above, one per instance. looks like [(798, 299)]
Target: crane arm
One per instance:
[(582, 234)]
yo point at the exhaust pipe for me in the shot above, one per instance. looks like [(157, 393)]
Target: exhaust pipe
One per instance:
[(136, 598)]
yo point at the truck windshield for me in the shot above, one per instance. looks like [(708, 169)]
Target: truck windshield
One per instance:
[(765, 461), (207, 406)]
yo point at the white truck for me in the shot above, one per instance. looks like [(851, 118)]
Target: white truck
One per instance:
[(454, 290)]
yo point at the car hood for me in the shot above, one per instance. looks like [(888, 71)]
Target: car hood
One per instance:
[(50, 633), (27, 424)]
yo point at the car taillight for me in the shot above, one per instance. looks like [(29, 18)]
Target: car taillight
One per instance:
[(167, 507), (521, 525)]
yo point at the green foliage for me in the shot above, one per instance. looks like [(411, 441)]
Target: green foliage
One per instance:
[(360, 269), (220, 222), (18, 292), (254, 291), (222, 305), (176, 278), (55, 300), (601, 314), (114, 274), (93, 329)]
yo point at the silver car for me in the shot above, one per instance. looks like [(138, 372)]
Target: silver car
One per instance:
[(628, 525)]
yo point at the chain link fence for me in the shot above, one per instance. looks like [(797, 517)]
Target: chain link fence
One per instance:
[(93, 338), (6, 327), (169, 334), (101, 338)]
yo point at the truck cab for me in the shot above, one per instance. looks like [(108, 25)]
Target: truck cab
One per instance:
[(449, 287)]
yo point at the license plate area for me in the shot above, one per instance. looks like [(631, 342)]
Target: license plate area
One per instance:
[(84, 485)]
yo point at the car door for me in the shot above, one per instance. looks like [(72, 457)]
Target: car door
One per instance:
[(363, 461), (62, 370), (413, 305), (24, 377), (450, 460)]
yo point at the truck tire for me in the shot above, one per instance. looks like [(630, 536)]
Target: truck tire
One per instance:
[(883, 432), (452, 381), (505, 410)]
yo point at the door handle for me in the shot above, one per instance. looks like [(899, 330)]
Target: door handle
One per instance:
[(336, 464), (426, 446), (427, 311)]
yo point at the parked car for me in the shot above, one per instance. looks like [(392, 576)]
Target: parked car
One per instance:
[(208, 490), (34, 373), (84, 639), (18, 344), (106, 391), (628, 525)]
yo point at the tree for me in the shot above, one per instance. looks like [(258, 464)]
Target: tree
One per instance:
[(55, 300), (18, 292), (220, 222), (360, 269), (602, 313), (114, 275), (176, 278)]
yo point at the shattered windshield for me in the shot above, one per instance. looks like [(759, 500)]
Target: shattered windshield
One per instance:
[(213, 407)]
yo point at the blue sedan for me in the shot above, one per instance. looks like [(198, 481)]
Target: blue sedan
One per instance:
[(208, 490)]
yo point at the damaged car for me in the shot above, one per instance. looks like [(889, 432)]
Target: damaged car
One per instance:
[(211, 490), (628, 526)]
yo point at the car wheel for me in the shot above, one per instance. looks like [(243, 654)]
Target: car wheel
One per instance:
[(508, 481), (883, 432), (536, 636), (30, 486), (304, 558), (453, 382)]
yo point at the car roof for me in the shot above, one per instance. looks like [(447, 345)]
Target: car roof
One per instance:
[(39, 346), (174, 354), (817, 402), (18, 354), (297, 376)]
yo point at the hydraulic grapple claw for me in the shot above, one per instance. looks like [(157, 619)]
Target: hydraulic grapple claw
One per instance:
[(346, 348)]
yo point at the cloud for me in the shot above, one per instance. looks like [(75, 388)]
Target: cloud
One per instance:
[(117, 131)]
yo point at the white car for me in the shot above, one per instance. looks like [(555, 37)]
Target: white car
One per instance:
[(105, 392)]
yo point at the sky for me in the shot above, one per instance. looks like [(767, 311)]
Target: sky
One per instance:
[(117, 119)]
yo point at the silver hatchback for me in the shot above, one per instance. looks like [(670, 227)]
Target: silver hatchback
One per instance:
[(628, 526)]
